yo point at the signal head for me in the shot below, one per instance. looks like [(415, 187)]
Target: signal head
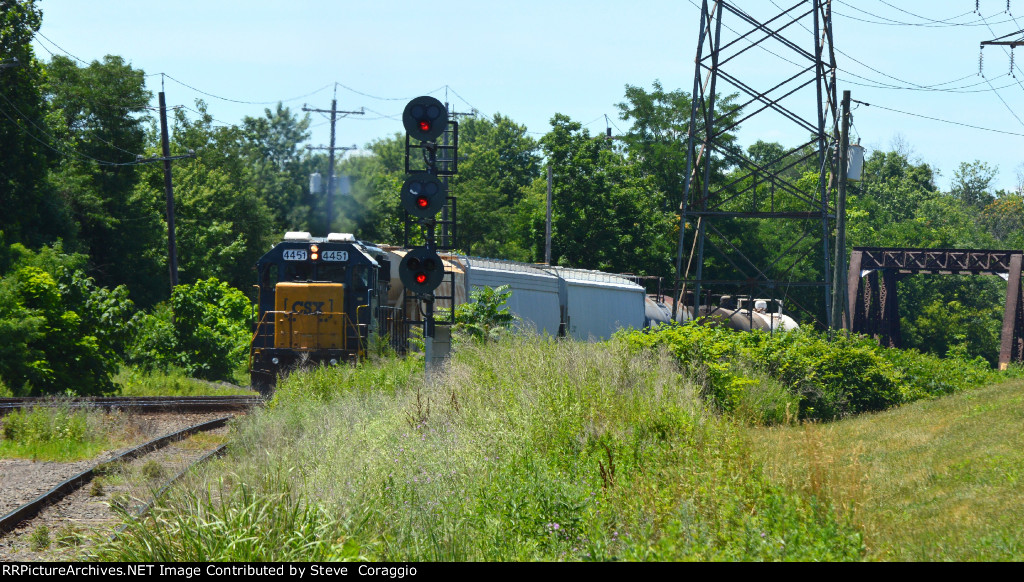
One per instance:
[(421, 270), (425, 118), (423, 195)]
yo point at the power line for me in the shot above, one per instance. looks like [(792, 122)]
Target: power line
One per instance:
[(939, 119), (884, 20), (228, 99), (64, 152)]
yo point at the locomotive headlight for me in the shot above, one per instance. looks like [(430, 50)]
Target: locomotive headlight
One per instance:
[(275, 361), (314, 256), (314, 251)]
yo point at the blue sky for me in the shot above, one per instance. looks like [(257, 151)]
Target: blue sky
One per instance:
[(531, 59)]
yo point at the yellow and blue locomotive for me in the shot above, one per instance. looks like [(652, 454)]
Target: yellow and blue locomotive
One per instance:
[(320, 300)]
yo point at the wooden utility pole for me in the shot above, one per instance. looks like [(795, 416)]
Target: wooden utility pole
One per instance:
[(172, 250), (547, 224), (330, 168), (840, 315)]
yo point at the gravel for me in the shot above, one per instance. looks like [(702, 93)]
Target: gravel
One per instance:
[(83, 512)]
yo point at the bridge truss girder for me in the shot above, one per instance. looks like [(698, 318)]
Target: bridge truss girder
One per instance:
[(873, 277)]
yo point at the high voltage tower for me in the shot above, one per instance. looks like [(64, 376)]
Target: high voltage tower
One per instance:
[(721, 208)]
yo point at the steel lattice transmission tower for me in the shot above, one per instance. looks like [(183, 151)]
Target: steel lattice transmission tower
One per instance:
[(728, 194)]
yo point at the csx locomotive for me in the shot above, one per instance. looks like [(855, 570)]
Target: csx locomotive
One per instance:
[(320, 300)]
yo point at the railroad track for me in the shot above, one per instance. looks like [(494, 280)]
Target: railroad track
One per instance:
[(138, 403), (23, 517)]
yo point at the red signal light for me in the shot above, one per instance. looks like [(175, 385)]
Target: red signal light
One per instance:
[(421, 278), (424, 125), (422, 201)]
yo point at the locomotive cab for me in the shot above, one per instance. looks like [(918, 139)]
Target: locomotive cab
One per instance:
[(317, 302)]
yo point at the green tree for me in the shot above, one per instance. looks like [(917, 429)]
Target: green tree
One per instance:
[(606, 215), (63, 332), (223, 223), (658, 139), (102, 115), (497, 212), (27, 146), (972, 183), (275, 168)]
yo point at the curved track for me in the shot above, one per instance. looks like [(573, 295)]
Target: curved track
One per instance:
[(29, 510)]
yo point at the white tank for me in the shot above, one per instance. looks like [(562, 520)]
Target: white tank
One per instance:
[(855, 162)]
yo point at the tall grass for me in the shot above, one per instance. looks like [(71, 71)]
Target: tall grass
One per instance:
[(53, 434), (134, 381), (525, 449)]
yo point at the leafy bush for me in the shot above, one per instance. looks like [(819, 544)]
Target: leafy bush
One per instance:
[(204, 330), (830, 379), (485, 316), (62, 333)]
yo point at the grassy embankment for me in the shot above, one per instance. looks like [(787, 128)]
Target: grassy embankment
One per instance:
[(531, 449), (933, 480)]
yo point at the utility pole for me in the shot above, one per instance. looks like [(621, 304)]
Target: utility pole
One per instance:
[(840, 318), (547, 224), (330, 168), (172, 250)]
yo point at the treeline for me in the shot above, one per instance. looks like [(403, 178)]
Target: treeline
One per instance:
[(74, 193)]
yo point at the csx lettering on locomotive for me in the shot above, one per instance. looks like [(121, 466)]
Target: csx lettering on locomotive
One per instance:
[(309, 307)]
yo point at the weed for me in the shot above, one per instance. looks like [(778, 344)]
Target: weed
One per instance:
[(96, 487), (152, 470), (52, 434), (120, 503), (550, 451), (68, 536), (39, 539)]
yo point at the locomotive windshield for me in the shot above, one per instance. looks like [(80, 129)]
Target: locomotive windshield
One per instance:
[(296, 272), (332, 272)]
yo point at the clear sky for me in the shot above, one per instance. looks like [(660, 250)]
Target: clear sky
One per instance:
[(531, 59)]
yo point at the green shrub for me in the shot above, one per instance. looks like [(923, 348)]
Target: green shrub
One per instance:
[(829, 379), (485, 316), (62, 333), (205, 330)]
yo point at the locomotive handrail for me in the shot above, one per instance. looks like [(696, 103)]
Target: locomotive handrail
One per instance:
[(271, 317), (361, 349)]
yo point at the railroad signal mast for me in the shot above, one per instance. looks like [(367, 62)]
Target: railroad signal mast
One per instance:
[(423, 196)]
